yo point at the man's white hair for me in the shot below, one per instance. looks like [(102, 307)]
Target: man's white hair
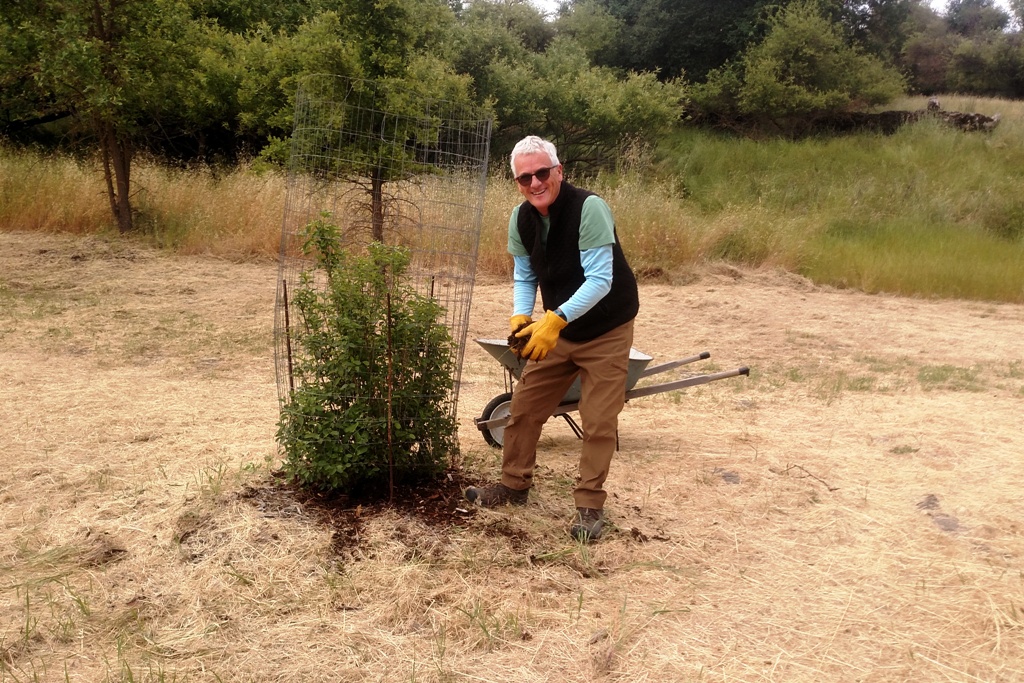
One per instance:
[(530, 145)]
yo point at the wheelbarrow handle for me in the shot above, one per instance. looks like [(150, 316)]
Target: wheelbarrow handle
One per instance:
[(484, 425), (688, 382), (672, 364), (662, 388)]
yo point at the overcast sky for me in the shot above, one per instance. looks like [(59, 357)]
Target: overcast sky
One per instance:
[(550, 6)]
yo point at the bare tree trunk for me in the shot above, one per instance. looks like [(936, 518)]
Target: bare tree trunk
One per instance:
[(117, 164), (108, 177), (377, 204)]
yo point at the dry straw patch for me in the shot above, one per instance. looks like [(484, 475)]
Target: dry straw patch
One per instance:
[(849, 512), (201, 211), (55, 194)]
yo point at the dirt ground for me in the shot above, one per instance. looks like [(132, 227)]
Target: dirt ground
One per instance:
[(851, 511)]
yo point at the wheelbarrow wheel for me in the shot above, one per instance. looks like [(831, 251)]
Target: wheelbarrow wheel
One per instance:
[(498, 407)]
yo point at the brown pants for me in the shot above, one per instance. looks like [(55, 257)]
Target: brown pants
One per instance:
[(601, 365)]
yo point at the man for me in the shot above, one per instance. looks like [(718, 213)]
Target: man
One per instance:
[(563, 240)]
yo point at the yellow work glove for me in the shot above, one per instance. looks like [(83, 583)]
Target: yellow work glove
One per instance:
[(543, 335), (518, 320)]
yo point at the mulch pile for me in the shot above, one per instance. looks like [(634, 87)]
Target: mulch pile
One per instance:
[(437, 503)]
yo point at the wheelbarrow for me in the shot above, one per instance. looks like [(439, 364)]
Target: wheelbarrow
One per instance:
[(496, 413)]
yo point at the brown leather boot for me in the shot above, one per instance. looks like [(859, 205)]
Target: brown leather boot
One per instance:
[(587, 525), (495, 495)]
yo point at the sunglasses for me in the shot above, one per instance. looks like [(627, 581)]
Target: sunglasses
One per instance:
[(542, 175)]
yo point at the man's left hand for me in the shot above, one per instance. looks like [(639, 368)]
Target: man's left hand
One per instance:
[(543, 335)]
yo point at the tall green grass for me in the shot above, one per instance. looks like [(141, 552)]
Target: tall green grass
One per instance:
[(929, 211)]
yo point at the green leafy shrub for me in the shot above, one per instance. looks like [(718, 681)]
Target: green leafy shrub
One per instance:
[(373, 372)]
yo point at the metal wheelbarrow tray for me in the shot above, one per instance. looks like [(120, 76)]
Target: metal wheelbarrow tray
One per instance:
[(495, 415)]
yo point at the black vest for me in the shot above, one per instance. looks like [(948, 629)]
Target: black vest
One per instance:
[(560, 272)]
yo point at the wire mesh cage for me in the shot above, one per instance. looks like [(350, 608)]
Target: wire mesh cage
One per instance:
[(377, 264)]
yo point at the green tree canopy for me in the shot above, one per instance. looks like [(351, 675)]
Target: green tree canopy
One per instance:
[(974, 17), (392, 40), (587, 110), (1017, 7), (969, 50), (928, 51), (135, 74), (120, 68), (880, 27), (802, 70), (992, 64), (681, 37), (491, 32), (591, 26)]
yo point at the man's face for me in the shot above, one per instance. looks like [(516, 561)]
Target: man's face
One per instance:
[(540, 193)]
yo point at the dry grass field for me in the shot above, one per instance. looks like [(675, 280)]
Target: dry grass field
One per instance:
[(850, 512)]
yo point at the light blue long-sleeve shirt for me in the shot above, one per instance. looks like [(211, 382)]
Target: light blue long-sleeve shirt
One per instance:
[(597, 235), (597, 271)]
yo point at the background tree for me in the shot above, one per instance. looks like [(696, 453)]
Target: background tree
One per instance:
[(491, 32), (682, 37), (879, 27), (23, 104), (119, 68), (971, 18), (273, 64), (394, 40), (927, 53), (990, 65), (970, 49), (242, 16), (547, 85), (587, 110), (802, 71), (1017, 7), (591, 25), (215, 79)]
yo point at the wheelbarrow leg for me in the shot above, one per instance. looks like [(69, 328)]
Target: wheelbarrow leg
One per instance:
[(578, 431)]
